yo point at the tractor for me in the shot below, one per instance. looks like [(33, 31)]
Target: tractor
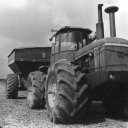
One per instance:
[(85, 69)]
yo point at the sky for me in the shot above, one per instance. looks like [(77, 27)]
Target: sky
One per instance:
[(28, 23)]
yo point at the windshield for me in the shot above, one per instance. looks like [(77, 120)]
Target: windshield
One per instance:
[(71, 40)]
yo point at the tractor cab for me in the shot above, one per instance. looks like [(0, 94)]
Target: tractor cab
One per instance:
[(68, 40)]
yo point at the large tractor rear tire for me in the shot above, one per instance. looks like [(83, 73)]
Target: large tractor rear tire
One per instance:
[(36, 90), (66, 93), (11, 86)]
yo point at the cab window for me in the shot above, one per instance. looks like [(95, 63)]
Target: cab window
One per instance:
[(53, 47), (63, 41), (70, 40), (57, 43), (67, 42)]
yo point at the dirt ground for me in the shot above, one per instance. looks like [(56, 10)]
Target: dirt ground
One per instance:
[(16, 114)]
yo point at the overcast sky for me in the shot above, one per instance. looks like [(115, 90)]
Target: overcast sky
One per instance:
[(26, 23)]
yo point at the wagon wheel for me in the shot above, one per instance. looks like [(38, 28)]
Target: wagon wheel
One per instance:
[(36, 90), (11, 86)]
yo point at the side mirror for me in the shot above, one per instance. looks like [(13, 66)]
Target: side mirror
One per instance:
[(52, 39)]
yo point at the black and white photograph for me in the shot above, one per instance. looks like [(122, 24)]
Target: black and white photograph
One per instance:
[(63, 64)]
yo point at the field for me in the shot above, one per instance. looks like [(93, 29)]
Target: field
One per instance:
[(16, 114)]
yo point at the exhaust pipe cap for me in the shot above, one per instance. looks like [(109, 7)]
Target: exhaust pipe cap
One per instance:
[(111, 9)]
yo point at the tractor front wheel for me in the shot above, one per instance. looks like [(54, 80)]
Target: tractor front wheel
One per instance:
[(66, 95)]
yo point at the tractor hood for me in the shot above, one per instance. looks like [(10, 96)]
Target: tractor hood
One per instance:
[(111, 41)]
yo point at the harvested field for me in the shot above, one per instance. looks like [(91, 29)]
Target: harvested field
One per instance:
[(16, 114)]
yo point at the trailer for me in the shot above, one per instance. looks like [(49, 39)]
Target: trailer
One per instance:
[(24, 62)]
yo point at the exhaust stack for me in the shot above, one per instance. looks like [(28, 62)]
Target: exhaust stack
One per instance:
[(100, 25), (111, 10)]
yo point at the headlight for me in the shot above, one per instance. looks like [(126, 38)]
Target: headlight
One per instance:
[(112, 76), (91, 55)]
